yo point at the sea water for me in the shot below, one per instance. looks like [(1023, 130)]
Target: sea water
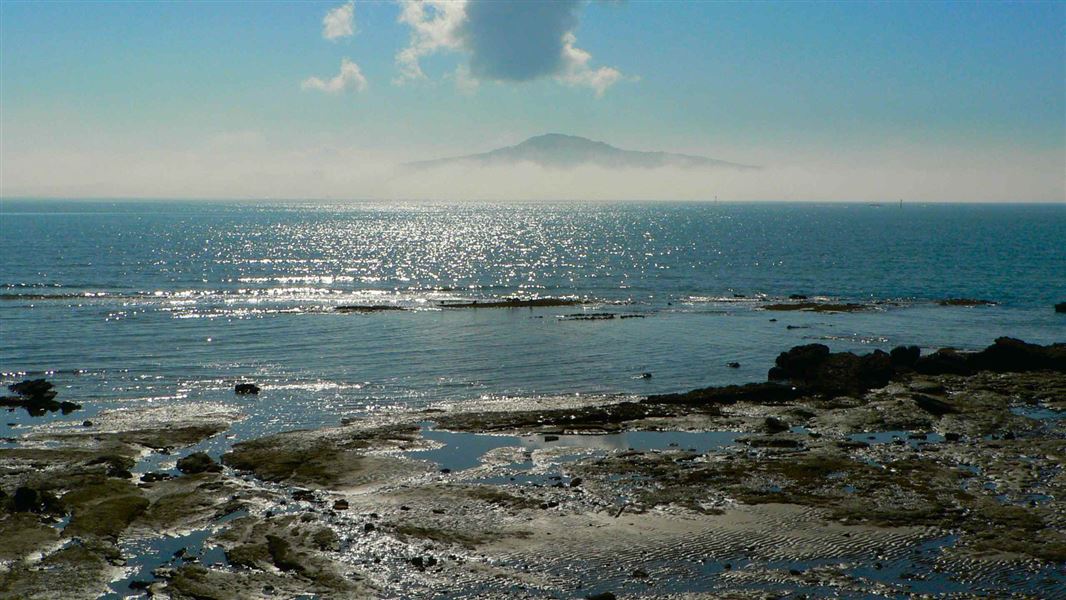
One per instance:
[(127, 303)]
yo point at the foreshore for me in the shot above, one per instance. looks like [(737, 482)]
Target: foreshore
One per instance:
[(880, 474)]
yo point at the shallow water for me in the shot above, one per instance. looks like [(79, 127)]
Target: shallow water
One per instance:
[(461, 450)]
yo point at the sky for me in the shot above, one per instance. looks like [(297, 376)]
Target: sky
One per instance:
[(928, 101)]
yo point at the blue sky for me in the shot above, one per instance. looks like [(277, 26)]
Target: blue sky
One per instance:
[(948, 101)]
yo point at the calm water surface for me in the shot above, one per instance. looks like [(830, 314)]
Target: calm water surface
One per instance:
[(153, 302)]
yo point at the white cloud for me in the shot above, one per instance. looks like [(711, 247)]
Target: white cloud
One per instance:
[(435, 25), (503, 41), (350, 78), (576, 71), (339, 22)]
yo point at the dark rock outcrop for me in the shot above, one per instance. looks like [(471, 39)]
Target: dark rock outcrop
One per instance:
[(799, 363), (514, 303), (774, 425), (33, 388), (905, 356), (198, 462), (28, 499), (1005, 355), (763, 393), (1014, 355), (933, 406), (946, 361), (966, 302), (366, 308), (37, 397), (816, 307), (817, 370), (1060, 307), (246, 389)]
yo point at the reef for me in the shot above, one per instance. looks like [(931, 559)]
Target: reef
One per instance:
[(887, 474)]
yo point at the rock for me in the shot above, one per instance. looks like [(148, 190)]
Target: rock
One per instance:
[(27, 500), (515, 303), (602, 596), (368, 528), (905, 356), (813, 367), (422, 563), (639, 574), (282, 554), (645, 375), (340, 505), (551, 438), (303, 495), (774, 425), (951, 436), (1013, 355), (933, 406), (1060, 307), (366, 308), (326, 539), (198, 462), (965, 302), (1004, 355), (946, 361), (37, 397), (86, 423), (816, 307), (575, 482), (246, 389), (733, 365), (763, 393), (801, 362), (797, 297), (927, 387), (33, 388)]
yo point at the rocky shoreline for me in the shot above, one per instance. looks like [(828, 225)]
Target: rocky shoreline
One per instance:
[(886, 473)]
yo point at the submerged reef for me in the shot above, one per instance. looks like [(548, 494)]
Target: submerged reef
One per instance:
[(883, 474)]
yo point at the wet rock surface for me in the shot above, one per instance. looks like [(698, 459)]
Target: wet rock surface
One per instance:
[(853, 476)]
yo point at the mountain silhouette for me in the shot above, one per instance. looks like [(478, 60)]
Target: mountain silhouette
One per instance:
[(559, 151)]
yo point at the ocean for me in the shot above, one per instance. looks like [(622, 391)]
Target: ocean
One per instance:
[(125, 304)]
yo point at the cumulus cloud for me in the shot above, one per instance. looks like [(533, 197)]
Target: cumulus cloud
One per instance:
[(435, 25), (517, 41), (339, 22), (576, 70), (503, 41), (350, 78)]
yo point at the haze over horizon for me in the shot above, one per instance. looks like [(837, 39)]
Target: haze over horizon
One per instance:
[(861, 102)]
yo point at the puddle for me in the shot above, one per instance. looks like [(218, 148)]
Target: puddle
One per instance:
[(1039, 413), (149, 554), (464, 450), (911, 438)]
